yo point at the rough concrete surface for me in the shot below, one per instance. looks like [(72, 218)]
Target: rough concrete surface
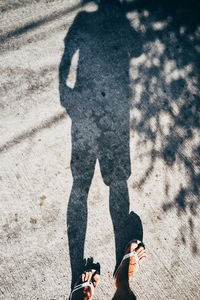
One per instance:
[(115, 91)]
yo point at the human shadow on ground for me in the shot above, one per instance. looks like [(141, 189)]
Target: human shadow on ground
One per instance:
[(99, 107), (140, 57)]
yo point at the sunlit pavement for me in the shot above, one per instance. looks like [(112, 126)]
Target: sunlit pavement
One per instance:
[(35, 153)]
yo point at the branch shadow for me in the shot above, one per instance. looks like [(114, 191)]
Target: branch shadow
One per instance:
[(168, 104)]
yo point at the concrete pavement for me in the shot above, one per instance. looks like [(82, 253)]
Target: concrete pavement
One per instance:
[(36, 148)]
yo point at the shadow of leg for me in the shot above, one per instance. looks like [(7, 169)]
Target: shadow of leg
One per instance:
[(119, 211), (77, 224)]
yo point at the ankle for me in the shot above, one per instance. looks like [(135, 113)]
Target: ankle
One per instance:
[(123, 293), (122, 284)]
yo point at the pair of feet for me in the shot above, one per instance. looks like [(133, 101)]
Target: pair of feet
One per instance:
[(88, 281)]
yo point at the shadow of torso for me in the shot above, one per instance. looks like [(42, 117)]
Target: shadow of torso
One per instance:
[(99, 104)]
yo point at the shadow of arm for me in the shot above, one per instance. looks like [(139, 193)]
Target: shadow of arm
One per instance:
[(64, 68)]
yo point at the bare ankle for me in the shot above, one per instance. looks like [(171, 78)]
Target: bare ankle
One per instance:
[(124, 294)]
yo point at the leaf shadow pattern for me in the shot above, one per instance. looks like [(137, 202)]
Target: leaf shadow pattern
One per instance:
[(165, 103)]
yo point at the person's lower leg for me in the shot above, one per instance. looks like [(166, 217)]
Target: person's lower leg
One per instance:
[(124, 294)]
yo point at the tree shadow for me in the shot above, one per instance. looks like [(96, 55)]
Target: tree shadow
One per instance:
[(102, 43), (166, 98)]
